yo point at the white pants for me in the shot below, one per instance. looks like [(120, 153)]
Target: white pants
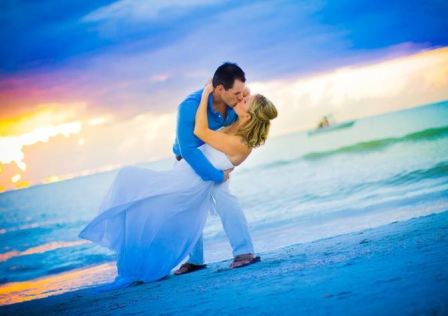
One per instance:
[(233, 220)]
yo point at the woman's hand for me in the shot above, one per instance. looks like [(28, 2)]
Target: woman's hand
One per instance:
[(208, 89)]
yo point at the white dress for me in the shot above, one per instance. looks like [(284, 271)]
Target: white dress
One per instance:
[(152, 219)]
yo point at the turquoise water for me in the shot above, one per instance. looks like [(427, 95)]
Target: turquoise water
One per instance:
[(295, 189)]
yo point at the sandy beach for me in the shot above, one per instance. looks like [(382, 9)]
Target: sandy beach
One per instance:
[(396, 269)]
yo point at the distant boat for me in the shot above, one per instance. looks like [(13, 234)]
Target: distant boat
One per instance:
[(330, 128)]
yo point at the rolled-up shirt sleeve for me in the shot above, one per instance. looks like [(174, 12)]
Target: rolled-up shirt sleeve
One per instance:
[(188, 144)]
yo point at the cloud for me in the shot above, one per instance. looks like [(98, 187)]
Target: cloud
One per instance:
[(47, 153), (45, 114), (51, 35), (140, 10), (358, 91), (11, 147)]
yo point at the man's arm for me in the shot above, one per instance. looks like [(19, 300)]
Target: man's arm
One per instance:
[(187, 144)]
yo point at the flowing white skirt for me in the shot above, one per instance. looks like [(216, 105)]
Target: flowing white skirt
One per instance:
[(153, 219)]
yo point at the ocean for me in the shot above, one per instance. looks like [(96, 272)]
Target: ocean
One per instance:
[(297, 188)]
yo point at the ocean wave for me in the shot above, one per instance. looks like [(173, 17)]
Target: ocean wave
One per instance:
[(362, 147), (377, 144), (437, 171), (28, 226)]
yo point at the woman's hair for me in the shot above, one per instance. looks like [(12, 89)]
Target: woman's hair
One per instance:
[(255, 131)]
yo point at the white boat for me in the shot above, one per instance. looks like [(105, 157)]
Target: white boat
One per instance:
[(331, 128)]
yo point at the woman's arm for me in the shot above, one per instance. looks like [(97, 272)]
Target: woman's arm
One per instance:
[(229, 144), (201, 120)]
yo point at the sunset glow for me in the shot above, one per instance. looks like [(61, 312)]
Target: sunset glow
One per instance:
[(16, 292), (359, 90), (11, 147), (379, 87), (16, 178)]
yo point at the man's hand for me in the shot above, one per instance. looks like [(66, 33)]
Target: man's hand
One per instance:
[(227, 174)]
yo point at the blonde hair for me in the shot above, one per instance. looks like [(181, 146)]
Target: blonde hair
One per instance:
[(255, 131)]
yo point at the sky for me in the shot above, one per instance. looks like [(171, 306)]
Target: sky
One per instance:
[(88, 86)]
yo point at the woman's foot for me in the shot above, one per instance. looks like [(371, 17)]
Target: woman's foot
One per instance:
[(244, 260), (189, 267)]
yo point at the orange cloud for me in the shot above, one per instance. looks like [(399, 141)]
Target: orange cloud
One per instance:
[(11, 147), (84, 147)]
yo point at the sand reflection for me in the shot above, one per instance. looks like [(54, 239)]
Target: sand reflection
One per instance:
[(16, 292)]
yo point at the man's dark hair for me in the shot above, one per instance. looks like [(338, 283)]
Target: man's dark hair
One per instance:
[(226, 74)]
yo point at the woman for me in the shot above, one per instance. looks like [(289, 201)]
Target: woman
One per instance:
[(152, 219)]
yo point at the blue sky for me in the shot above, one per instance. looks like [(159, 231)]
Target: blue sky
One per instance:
[(117, 54), (269, 37)]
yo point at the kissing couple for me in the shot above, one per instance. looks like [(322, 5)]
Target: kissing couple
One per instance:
[(153, 219)]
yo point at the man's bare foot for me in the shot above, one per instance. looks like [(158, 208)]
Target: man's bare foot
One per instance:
[(244, 260), (189, 267)]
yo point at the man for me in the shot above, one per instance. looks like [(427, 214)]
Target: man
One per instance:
[(229, 88)]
